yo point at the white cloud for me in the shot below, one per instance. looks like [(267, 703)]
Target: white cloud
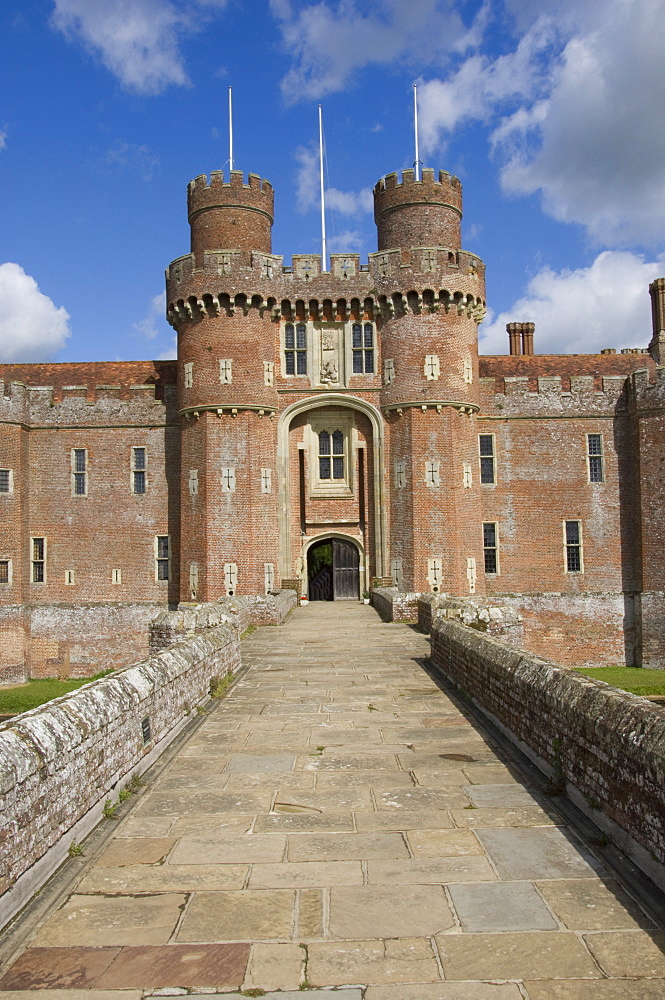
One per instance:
[(579, 312), (150, 326), (308, 190), (347, 242), (32, 328), (3, 137), (596, 149), (137, 40), (330, 41), (131, 156), (575, 111), (481, 85)]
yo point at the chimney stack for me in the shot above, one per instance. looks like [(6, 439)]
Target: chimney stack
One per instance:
[(520, 337)]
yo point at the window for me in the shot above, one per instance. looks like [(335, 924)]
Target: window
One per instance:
[(266, 480), (268, 372), (6, 480), (471, 574), (487, 466), (468, 372), (572, 532), (467, 476), (400, 475), (162, 557), (268, 577), (188, 371), (138, 470), (5, 572), (362, 342), (226, 371), (295, 349), (116, 576), (491, 548), (193, 482), (331, 455), (38, 552), (79, 472), (69, 577), (595, 457), (388, 371)]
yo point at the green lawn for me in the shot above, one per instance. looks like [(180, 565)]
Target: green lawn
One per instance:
[(638, 680), (34, 693)]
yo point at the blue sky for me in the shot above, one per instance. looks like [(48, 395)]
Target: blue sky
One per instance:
[(551, 113)]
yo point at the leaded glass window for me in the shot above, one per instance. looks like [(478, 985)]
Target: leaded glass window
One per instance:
[(295, 349), (331, 455)]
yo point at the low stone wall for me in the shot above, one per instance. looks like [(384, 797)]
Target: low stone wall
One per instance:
[(606, 747), (241, 612), (61, 762), (485, 614), (395, 606)]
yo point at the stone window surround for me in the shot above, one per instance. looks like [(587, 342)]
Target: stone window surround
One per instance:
[(314, 333), (134, 479), (162, 561), (332, 420), (570, 545), (10, 483), (10, 572), (79, 471)]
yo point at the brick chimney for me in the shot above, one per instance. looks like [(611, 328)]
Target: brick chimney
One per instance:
[(520, 337)]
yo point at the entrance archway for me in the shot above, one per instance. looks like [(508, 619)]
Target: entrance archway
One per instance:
[(333, 570)]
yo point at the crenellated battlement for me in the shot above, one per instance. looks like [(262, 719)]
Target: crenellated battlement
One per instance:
[(392, 182), (85, 405), (553, 395), (647, 391), (204, 191)]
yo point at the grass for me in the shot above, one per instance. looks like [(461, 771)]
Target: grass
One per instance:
[(637, 680), (35, 693)]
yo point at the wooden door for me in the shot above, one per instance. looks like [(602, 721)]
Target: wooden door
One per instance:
[(346, 574)]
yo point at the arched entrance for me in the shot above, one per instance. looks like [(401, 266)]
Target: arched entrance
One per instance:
[(333, 570)]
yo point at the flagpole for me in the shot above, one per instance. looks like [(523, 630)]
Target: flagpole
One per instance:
[(415, 129), (230, 129), (324, 253)]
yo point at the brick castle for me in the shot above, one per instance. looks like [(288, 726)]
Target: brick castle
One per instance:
[(328, 430)]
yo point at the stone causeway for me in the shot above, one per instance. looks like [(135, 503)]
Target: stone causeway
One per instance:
[(338, 826)]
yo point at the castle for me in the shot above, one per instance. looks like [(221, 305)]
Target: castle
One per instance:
[(332, 431)]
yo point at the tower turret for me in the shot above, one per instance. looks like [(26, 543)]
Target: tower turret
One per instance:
[(425, 213), (230, 215)]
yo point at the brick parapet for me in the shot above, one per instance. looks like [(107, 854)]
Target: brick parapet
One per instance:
[(605, 746), (395, 606), (421, 278)]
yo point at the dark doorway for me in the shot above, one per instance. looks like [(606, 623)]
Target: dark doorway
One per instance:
[(333, 571)]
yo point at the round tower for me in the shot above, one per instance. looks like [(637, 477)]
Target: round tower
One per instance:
[(217, 301), (425, 213), (432, 297), (230, 215)]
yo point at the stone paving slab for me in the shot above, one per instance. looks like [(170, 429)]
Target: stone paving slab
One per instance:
[(338, 823)]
